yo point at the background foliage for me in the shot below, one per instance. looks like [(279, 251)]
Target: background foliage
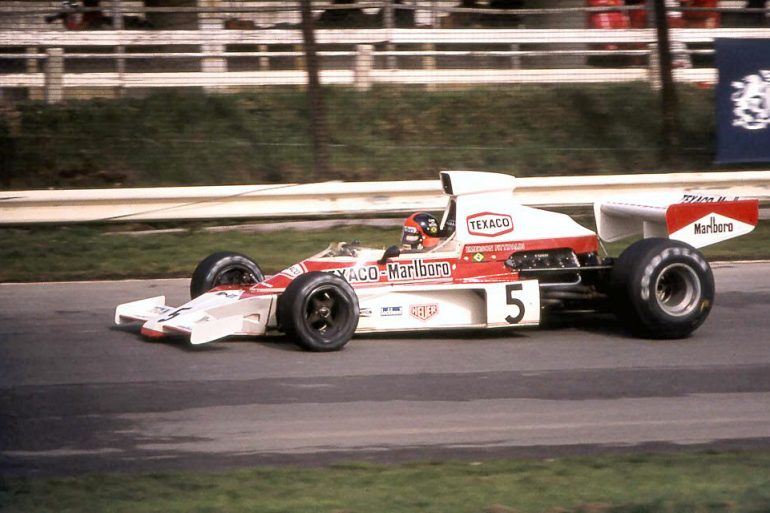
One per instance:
[(190, 138)]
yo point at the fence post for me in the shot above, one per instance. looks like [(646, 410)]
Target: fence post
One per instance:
[(429, 63), (389, 22), (264, 62), (653, 67), (120, 62), (515, 59), (362, 73), (54, 75), (31, 64), (425, 13), (299, 61), (211, 22), (32, 67)]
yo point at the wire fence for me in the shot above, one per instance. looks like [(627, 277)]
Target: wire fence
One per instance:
[(176, 92)]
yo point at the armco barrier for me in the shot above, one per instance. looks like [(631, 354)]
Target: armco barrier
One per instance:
[(340, 198)]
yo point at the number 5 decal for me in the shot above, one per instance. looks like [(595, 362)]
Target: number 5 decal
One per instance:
[(509, 299)]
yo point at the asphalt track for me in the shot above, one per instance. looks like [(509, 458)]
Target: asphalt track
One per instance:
[(79, 395)]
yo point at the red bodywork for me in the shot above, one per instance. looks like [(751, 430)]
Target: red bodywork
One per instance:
[(474, 263)]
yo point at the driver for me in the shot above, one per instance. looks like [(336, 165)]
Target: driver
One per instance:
[(420, 232)]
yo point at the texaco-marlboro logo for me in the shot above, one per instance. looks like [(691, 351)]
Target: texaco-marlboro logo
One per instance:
[(423, 312)]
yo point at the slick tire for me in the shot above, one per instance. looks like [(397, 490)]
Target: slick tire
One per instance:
[(661, 288), (224, 268), (319, 312)]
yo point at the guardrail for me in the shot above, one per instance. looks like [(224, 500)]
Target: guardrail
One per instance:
[(361, 72), (331, 199), (116, 38)]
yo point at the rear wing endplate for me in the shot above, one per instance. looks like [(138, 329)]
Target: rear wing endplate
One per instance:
[(695, 218)]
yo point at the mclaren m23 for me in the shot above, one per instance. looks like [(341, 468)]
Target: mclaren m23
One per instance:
[(498, 264)]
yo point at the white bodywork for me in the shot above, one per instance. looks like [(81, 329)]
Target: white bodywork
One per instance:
[(493, 305), (485, 198), (215, 315)]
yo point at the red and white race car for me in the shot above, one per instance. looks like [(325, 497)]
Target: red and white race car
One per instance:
[(497, 264)]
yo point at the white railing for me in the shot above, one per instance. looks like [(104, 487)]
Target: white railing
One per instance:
[(331, 199), (45, 46), (113, 38)]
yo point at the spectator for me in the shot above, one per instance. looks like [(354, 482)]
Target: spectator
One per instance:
[(609, 19), (701, 19), (73, 17), (639, 18)]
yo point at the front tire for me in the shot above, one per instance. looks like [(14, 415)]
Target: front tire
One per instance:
[(319, 311), (224, 268), (662, 288)]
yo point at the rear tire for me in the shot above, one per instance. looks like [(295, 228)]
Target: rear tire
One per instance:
[(224, 268), (319, 311), (661, 288)]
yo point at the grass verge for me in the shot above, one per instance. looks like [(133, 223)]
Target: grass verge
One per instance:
[(731, 482), (98, 252)]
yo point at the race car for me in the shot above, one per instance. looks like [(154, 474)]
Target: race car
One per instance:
[(492, 263)]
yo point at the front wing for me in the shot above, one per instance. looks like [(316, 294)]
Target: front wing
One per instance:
[(209, 317)]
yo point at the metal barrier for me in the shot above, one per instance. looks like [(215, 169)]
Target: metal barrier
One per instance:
[(362, 73), (340, 198)]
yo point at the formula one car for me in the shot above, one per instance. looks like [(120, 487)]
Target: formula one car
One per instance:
[(496, 264)]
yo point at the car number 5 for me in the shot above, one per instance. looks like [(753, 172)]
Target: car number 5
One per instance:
[(510, 290)]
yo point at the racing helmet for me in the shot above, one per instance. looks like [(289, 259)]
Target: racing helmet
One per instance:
[(420, 231)]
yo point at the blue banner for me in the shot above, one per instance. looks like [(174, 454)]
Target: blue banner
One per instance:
[(743, 100)]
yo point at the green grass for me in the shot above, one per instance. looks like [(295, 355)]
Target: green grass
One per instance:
[(190, 138), (676, 483), (97, 252), (94, 252)]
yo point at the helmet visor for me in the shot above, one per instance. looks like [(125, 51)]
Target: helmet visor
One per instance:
[(410, 237)]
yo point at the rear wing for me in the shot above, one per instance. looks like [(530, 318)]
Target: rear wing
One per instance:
[(695, 218)]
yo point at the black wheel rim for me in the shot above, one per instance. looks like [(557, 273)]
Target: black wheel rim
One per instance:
[(325, 312)]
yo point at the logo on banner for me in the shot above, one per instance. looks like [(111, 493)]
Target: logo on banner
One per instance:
[(751, 101), (743, 100)]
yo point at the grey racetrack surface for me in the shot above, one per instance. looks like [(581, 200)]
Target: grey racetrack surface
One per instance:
[(79, 395)]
